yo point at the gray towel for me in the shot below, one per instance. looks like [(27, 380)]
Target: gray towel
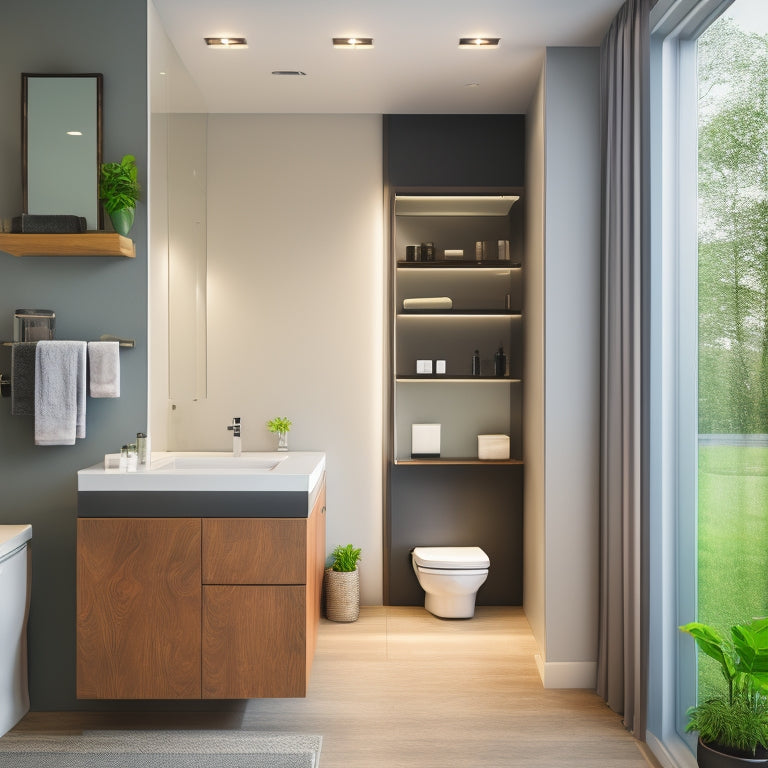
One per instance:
[(59, 392), (104, 361), (23, 378)]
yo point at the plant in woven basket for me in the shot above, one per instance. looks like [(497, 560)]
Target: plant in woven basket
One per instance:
[(342, 585)]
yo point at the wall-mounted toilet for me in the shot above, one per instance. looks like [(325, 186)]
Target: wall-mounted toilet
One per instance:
[(450, 578), (15, 543)]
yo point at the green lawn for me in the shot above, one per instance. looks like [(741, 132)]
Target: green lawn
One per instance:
[(733, 543)]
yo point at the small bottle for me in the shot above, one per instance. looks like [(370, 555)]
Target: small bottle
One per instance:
[(500, 362), (142, 448), (476, 363), (124, 459), (132, 457)]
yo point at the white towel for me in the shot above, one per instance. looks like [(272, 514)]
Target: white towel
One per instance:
[(59, 392), (104, 360)]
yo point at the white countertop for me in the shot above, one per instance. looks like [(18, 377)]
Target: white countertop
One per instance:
[(295, 471)]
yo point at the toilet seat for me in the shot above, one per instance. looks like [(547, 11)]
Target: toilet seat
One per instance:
[(451, 558)]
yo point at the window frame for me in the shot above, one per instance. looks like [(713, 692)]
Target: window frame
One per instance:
[(673, 381)]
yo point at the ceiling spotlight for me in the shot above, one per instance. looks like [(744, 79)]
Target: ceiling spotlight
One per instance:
[(353, 42), (226, 42), (289, 72), (479, 42)]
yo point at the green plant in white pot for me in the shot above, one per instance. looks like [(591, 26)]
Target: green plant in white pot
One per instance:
[(119, 190), (733, 726), (280, 425), (342, 585)]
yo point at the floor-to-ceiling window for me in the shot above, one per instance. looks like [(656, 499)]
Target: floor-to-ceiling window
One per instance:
[(708, 484), (732, 503)]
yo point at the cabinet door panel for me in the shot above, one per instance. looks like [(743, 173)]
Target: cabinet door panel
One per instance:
[(254, 550), (254, 641), (138, 608)]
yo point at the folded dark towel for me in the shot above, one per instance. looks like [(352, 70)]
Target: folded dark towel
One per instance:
[(52, 224), (23, 378)]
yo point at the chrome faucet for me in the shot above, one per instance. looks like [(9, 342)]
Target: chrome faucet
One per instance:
[(235, 429)]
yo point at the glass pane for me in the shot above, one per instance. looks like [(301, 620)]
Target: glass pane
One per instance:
[(733, 324)]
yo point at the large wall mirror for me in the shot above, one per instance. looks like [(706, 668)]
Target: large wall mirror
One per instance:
[(61, 145)]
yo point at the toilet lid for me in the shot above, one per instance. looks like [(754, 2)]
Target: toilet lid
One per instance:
[(12, 537), (450, 557)]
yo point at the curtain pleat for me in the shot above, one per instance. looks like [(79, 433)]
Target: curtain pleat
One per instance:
[(622, 652)]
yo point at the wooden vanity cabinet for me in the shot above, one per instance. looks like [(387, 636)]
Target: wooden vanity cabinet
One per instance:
[(186, 608)]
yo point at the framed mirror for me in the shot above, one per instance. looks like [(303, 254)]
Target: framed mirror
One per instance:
[(61, 145)]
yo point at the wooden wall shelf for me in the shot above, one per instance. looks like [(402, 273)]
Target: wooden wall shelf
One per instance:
[(83, 244)]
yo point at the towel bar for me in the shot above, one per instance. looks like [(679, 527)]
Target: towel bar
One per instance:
[(124, 343), (5, 381)]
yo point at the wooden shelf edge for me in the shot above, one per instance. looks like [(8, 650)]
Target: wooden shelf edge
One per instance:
[(83, 244), (457, 462), (459, 263)]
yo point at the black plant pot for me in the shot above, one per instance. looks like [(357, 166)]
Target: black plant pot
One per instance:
[(707, 757)]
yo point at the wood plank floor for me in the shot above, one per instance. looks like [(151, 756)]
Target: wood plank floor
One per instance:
[(401, 688)]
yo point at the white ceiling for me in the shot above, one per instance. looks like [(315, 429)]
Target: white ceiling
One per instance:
[(415, 65)]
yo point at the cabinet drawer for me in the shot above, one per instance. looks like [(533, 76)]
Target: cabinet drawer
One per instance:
[(254, 550)]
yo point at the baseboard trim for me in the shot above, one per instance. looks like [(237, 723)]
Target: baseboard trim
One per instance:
[(567, 674), (673, 755)]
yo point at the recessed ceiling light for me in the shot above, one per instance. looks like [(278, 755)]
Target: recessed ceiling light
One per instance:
[(289, 72), (479, 42), (74, 133), (226, 42), (353, 42)]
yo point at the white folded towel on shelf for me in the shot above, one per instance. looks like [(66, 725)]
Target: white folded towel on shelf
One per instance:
[(430, 302), (104, 362), (59, 392)]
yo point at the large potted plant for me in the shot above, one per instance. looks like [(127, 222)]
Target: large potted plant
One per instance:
[(119, 190), (342, 585), (733, 726)]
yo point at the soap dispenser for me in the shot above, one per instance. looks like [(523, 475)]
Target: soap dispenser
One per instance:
[(500, 362)]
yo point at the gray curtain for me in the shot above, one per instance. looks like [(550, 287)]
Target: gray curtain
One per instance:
[(622, 653)]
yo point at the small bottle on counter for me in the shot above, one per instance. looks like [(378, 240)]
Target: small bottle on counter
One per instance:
[(133, 459), (142, 450), (123, 466), (476, 363), (500, 362)]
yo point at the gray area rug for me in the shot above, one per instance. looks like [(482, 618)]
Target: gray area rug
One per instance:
[(160, 749)]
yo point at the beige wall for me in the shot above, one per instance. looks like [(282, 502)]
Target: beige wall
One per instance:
[(295, 306), (562, 368)]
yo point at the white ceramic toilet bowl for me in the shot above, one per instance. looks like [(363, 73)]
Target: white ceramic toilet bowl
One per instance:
[(450, 578), (14, 609)]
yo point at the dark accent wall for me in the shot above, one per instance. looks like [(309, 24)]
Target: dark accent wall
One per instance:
[(454, 150), (90, 295), (455, 505)]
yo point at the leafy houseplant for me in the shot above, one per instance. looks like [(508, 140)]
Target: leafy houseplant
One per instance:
[(342, 585), (345, 558), (733, 727), (280, 425), (119, 190)]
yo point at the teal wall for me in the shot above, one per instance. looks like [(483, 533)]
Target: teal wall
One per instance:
[(90, 296)]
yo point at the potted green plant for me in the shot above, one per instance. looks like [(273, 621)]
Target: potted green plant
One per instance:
[(733, 726), (342, 585), (281, 426), (119, 190)]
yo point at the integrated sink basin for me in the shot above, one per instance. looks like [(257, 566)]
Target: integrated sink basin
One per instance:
[(224, 463)]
